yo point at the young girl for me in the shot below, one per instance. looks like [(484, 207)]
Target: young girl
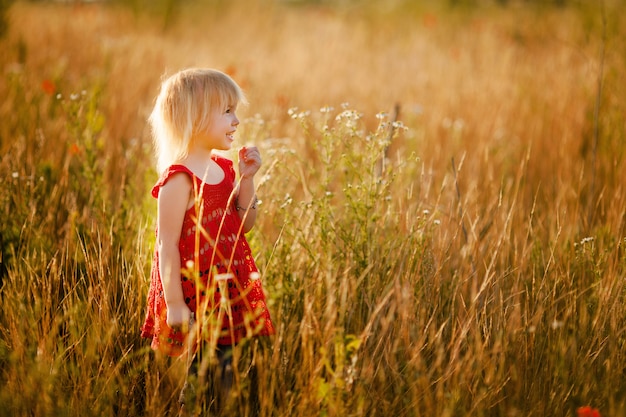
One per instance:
[(203, 267)]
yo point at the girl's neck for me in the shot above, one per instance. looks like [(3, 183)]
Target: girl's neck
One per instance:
[(203, 166), (199, 153)]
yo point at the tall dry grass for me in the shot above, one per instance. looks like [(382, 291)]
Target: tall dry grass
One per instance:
[(462, 257)]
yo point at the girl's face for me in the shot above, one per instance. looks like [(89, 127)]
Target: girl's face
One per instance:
[(220, 133)]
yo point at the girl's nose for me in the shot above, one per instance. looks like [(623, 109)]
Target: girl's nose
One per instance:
[(236, 121)]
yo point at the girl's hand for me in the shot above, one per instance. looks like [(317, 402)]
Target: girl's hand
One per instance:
[(249, 161), (178, 317)]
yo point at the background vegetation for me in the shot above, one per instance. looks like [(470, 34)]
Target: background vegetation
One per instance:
[(442, 225)]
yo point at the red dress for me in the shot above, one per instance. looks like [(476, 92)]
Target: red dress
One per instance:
[(236, 299)]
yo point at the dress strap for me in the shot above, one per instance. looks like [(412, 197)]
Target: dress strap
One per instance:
[(167, 174), (226, 165)]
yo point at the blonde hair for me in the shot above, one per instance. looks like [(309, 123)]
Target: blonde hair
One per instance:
[(184, 107)]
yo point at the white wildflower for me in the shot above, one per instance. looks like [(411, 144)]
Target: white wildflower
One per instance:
[(399, 125), (288, 200)]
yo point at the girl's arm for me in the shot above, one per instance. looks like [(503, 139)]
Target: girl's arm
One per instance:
[(249, 164), (173, 201)]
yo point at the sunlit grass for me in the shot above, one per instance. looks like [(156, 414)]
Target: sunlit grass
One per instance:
[(441, 229)]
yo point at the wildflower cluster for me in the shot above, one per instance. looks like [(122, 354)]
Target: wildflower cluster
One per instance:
[(295, 114), (350, 118), (386, 125)]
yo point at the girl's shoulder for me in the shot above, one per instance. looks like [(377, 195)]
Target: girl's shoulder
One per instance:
[(167, 174)]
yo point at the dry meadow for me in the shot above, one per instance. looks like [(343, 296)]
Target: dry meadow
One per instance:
[(442, 229)]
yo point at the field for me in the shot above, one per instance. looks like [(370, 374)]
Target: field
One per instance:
[(442, 229)]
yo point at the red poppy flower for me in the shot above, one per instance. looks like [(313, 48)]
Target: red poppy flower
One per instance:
[(587, 411), (74, 149), (48, 87)]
